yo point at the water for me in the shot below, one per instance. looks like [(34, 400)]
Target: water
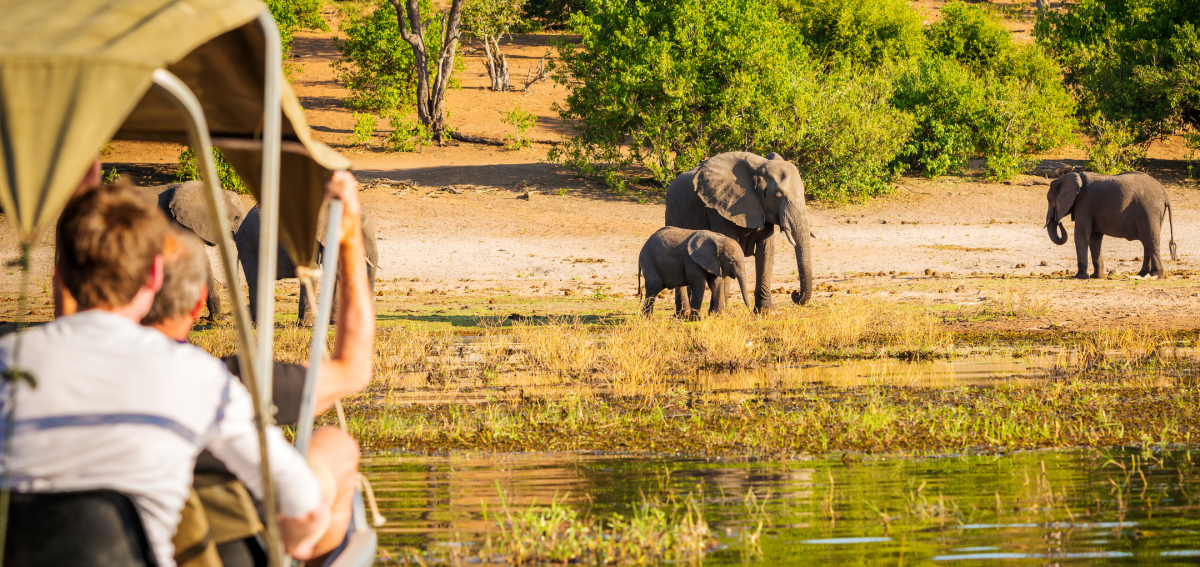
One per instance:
[(1066, 507)]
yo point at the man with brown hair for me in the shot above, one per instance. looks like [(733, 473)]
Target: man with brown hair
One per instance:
[(175, 310), (119, 406)]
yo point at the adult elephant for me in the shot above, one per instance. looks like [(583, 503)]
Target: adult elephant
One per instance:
[(745, 196), (246, 240), (1130, 205), (185, 204)]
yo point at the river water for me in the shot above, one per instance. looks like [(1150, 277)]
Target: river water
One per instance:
[(1085, 507)]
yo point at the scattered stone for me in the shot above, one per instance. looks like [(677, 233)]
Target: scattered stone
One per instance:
[(528, 195), (1003, 276), (1019, 266), (492, 301), (569, 293), (934, 274), (928, 272), (1044, 263), (960, 289)]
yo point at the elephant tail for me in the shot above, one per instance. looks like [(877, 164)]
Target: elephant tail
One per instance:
[(1171, 223), (639, 280)]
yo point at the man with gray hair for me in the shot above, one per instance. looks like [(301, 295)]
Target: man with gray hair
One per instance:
[(174, 312)]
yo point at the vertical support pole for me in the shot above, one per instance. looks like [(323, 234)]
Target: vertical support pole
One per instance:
[(268, 208), (201, 143), (329, 268)]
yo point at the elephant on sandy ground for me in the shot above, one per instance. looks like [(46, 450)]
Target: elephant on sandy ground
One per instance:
[(745, 196), (185, 204), (1130, 206), (677, 257), (247, 246)]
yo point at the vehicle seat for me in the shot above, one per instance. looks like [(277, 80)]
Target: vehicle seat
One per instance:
[(70, 529)]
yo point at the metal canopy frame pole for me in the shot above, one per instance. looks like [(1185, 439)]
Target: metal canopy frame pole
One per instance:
[(329, 265), (198, 135), (268, 210)]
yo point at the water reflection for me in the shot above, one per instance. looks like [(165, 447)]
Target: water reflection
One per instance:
[(1074, 506)]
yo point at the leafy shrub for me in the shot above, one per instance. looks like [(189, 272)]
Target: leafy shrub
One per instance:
[(292, 15), (977, 94), (669, 83), (859, 31), (364, 128), (111, 176), (377, 65), (189, 169), (551, 12), (522, 121), (1114, 148), (408, 135), (1132, 62)]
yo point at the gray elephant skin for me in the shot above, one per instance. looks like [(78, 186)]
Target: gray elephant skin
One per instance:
[(1130, 206), (187, 207), (744, 196), (674, 258), (247, 246)]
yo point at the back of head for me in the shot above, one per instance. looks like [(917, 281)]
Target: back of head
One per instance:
[(185, 271), (107, 240)]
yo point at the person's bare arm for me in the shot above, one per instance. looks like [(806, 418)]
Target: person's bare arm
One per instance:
[(349, 370)]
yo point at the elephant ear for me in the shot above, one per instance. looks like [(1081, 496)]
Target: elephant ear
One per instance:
[(189, 208), (702, 249), (1068, 189), (728, 183)]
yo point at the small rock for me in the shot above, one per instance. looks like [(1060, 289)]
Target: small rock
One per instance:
[(1003, 276), (960, 289), (528, 195), (1019, 266), (492, 301), (1044, 263), (934, 274), (569, 293), (928, 272)]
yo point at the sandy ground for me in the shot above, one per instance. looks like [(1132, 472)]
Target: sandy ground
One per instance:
[(573, 234)]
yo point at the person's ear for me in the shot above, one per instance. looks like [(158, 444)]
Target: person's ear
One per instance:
[(195, 314), (154, 280)]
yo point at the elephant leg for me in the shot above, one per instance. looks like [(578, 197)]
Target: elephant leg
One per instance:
[(213, 302), (716, 285), (681, 302), (304, 313), (1152, 262), (764, 266), (653, 287), (696, 291), (1082, 238), (1097, 261)]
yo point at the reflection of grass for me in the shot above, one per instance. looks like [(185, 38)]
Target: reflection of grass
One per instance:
[(661, 528)]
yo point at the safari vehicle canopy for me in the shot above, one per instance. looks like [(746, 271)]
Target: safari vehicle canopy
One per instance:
[(75, 74)]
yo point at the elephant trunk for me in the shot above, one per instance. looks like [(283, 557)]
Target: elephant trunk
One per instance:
[(794, 226), (741, 278), (1058, 236)]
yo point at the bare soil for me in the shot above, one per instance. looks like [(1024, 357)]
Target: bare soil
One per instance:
[(520, 228)]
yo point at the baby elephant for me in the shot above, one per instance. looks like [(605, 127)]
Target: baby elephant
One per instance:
[(678, 257)]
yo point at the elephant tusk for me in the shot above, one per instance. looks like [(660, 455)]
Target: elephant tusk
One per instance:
[(788, 235)]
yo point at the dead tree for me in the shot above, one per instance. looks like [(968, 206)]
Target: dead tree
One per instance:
[(431, 91), (496, 63)]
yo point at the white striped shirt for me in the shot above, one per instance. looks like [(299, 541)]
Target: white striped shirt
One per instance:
[(123, 407)]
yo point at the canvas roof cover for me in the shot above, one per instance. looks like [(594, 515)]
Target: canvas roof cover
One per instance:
[(77, 73)]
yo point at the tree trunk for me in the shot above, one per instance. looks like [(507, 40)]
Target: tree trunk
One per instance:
[(431, 91), (496, 63)]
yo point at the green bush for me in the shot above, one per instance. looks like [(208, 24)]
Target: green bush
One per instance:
[(672, 82), (976, 94), (292, 15), (189, 169), (1114, 148), (522, 122), (364, 128), (377, 65), (858, 31), (1132, 62), (408, 135)]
